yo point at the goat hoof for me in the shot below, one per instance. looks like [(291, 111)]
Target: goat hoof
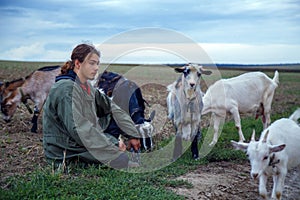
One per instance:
[(212, 144), (33, 131), (278, 195), (263, 196), (196, 157)]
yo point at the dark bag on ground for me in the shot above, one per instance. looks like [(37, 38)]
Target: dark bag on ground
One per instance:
[(126, 94)]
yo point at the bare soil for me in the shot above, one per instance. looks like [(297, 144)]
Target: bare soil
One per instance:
[(227, 181), (21, 152)]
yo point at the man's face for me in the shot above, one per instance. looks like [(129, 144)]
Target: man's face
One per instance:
[(89, 68)]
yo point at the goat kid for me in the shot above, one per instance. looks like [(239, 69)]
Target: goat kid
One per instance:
[(184, 103), (146, 130), (247, 93), (36, 88), (276, 151)]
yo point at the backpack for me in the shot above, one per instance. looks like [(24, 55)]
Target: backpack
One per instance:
[(128, 96)]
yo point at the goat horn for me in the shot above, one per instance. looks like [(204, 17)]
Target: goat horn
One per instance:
[(265, 137), (253, 135)]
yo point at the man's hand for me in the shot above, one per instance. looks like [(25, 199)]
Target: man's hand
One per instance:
[(134, 143), (122, 146)]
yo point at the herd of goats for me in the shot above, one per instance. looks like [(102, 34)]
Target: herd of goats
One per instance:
[(273, 154)]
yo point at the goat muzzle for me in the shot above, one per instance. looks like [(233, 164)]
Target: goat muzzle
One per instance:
[(254, 176), (7, 120)]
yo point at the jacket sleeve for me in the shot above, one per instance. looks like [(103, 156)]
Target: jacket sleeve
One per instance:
[(124, 122), (83, 130), (105, 106), (103, 109)]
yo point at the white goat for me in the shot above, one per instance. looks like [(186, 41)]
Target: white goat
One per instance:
[(249, 92), (146, 130), (276, 151), (184, 103), (295, 116)]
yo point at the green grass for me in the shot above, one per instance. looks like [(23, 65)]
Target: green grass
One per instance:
[(96, 183), (91, 183)]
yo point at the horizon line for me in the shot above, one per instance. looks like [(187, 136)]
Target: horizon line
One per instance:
[(167, 63)]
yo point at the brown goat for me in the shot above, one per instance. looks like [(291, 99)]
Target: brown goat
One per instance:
[(8, 87), (36, 88)]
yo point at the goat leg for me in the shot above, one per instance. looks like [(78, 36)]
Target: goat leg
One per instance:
[(34, 121), (177, 147), (194, 146)]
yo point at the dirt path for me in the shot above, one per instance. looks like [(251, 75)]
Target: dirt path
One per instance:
[(226, 180)]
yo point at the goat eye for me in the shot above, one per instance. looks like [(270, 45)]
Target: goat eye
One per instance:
[(198, 74), (265, 158), (186, 72), (247, 155)]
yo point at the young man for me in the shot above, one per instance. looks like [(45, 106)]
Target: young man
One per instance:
[(76, 115)]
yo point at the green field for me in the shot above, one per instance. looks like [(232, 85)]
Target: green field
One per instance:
[(39, 181)]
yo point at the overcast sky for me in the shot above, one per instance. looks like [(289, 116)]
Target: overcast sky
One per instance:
[(235, 31)]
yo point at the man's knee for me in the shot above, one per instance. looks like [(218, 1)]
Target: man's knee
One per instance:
[(120, 162)]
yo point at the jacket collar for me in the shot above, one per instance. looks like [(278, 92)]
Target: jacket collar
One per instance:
[(70, 75)]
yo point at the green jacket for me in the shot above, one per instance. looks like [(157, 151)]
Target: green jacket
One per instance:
[(73, 122)]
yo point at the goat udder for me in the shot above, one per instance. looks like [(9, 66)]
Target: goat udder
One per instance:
[(260, 111), (264, 119), (6, 118)]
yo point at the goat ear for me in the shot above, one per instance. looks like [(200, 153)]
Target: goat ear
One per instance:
[(179, 69), (239, 145), (206, 72), (277, 148)]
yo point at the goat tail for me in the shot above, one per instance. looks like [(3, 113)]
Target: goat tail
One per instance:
[(295, 116), (276, 77), (206, 105)]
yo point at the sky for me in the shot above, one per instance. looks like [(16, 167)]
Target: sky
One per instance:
[(235, 31)]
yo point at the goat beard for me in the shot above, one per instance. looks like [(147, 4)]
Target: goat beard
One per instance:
[(191, 94)]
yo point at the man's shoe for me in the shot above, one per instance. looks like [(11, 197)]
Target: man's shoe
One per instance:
[(132, 164)]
